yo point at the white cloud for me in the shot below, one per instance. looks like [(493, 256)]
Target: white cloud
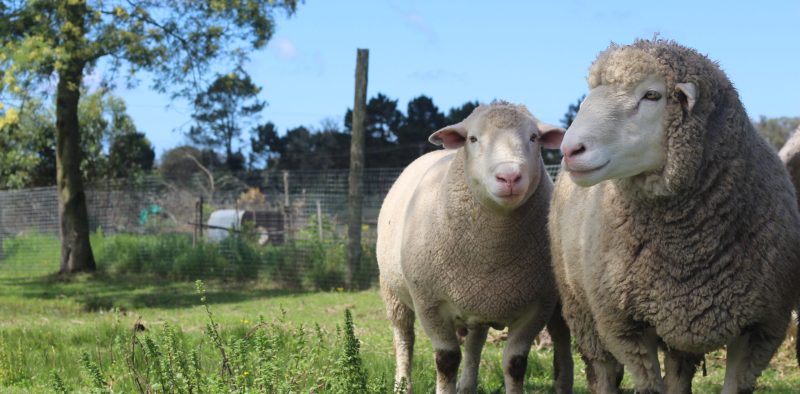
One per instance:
[(418, 22), (284, 49)]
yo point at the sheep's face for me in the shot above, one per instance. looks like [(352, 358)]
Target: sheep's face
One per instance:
[(502, 150), (618, 132)]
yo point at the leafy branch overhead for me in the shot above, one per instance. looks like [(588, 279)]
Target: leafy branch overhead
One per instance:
[(175, 40)]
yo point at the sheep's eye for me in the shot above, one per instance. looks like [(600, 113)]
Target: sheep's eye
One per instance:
[(472, 138), (652, 95), (533, 138)]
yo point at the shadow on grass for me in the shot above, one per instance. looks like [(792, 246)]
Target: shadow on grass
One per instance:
[(101, 292)]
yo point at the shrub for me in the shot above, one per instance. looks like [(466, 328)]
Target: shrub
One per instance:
[(173, 256), (306, 262), (271, 357)]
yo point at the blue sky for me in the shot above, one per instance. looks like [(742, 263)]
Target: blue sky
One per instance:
[(530, 52)]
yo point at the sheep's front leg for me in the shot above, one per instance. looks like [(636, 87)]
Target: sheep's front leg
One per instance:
[(679, 369), (749, 354), (638, 351), (603, 372), (473, 344), (447, 354), (562, 358), (521, 334)]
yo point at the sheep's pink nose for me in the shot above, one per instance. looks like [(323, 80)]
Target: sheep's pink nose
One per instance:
[(571, 151), (509, 177)]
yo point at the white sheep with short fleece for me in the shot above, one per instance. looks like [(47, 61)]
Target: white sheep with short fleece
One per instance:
[(462, 243)]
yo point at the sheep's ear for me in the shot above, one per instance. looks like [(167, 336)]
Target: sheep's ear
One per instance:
[(452, 137), (550, 136), (687, 95)]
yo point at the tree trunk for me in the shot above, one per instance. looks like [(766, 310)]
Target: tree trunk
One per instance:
[(356, 167), (76, 252)]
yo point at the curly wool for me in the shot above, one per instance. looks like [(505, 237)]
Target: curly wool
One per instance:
[(716, 251)]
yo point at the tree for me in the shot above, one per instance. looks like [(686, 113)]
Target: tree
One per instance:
[(304, 148), (176, 40), (298, 149), (222, 110), (422, 119), (331, 146), (25, 144), (130, 152), (181, 164), (265, 143), (776, 130), (458, 114), (382, 124), (572, 112), (553, 156), (28, 157)]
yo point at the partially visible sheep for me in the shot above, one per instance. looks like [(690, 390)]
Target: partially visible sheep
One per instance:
[(673, 224), (462, 242), (790, 156)]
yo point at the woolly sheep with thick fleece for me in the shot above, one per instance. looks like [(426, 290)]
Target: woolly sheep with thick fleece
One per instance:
[(462, 244), (673, 224)]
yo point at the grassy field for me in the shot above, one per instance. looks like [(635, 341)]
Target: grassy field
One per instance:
[(48, 325)]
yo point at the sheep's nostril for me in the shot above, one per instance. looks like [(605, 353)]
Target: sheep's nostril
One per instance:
[(509, 178), (575, 150)]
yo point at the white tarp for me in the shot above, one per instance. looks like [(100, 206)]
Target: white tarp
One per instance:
[(224, 218)]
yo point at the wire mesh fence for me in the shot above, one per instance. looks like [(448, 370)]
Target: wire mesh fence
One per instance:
[(284, 226)]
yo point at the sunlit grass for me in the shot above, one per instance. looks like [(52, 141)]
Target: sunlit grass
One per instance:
[(47, 324)]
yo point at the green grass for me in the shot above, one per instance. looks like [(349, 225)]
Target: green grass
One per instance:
[(48, 325)]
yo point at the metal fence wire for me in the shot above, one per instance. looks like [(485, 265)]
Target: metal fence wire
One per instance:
[(285, 226)]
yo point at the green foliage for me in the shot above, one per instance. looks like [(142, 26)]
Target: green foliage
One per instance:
[(572, 112), (352, 377), (129, 154), (266, 358), (458, 114), (308, 262), (28, 157), (776, 130), (27, 154), (553, 156), (58, 385), (94, 377), (175, 40), (422, 119), (280, 341), (180, 163), (222, 110), (265, 144)]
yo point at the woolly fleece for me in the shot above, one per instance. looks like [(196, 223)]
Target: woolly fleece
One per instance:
[(700, 252)]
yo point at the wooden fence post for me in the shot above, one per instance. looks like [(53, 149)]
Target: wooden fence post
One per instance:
[(356, 167)]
